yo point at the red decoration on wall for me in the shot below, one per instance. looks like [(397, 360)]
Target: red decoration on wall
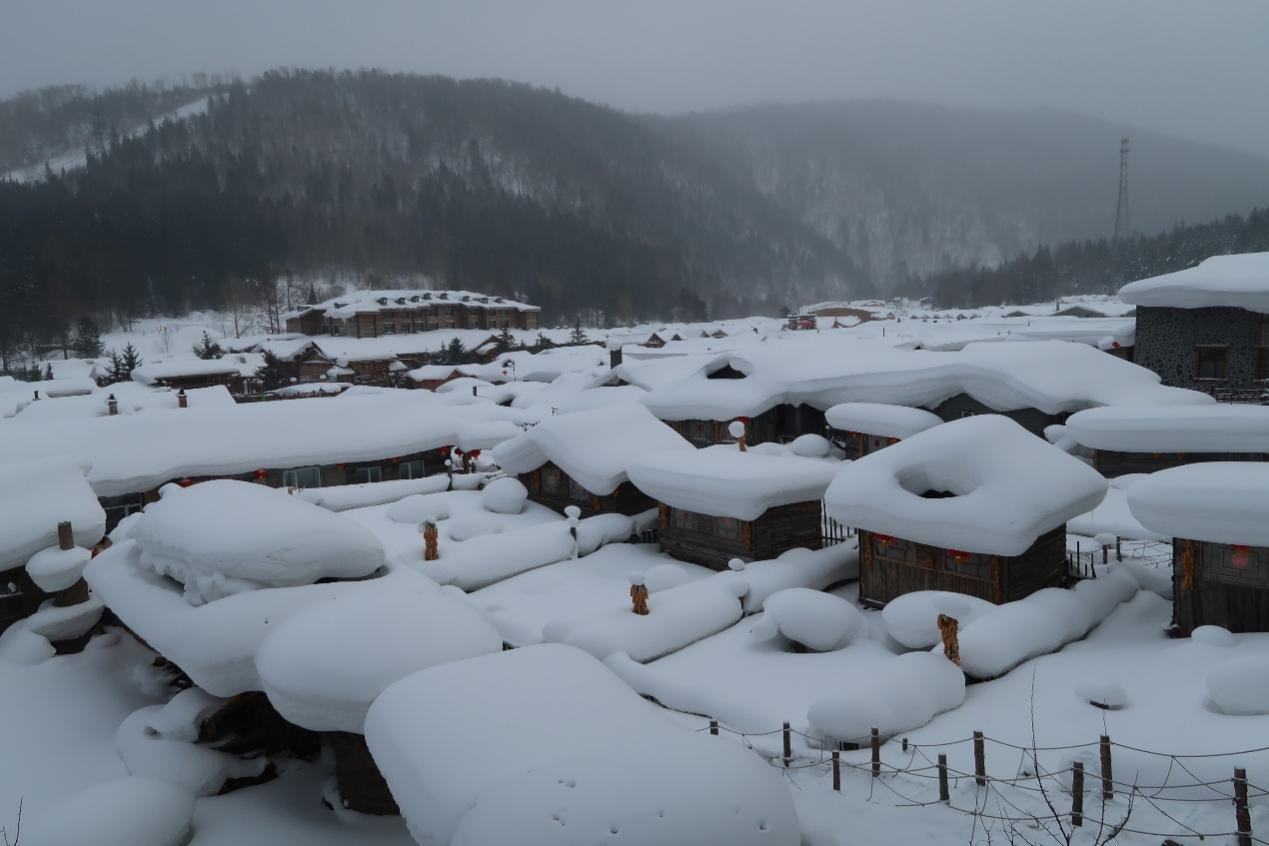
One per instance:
[(958, 555), (186, 482), (884, 540), (262, 474), (1241, 557), (445, 452)]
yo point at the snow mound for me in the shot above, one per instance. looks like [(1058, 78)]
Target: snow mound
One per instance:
[(38, 496), (911, 690), (810, 446), (880, 420), (1215, 427), (912, 619), (1237, 281), (1218, 501), (223, 537), (664, 576), (579, 755), (199, 769), (347, 497), (55, 569), (1240, 687), (819, 621), (1213, 636), (1107, 694), (504, 496), (989, 464), (793, 568), (722, 481), (183, 716), (119, 812), (416, 508), (470, 526), (324, 666)]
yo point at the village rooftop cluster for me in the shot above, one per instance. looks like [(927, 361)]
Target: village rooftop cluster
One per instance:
[(457, 579)]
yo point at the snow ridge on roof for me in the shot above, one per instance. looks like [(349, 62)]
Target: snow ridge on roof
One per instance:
[(1237, 281), (1216, 427), (1218, 501), (1009, 487)]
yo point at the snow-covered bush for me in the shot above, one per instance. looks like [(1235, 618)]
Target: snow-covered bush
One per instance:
[(819, 621), (810, 446), (504, 496)]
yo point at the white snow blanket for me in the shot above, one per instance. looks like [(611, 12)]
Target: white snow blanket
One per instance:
[(222, 537), (909, 692), (323, 666), (544, 745), (201, 770), (53, 569), (808, 568), (1112, 516), (819, 621), (120, 812), (880, 420), (37, 495), (1218, 427), (1240, 686), (724, 482), (593, 447), (348, 497), (1219, 501), (991, 466), (677, 617), (912, 619), (1002, 638), (1239, 281)]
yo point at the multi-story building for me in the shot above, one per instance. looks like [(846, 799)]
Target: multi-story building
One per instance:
[(371, 314)]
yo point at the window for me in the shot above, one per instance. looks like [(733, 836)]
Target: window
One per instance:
[(412, 469), (302, 477), (362, 475), (576, 491), (727, 527), (389, 328), (552, 480), (1211, 362)]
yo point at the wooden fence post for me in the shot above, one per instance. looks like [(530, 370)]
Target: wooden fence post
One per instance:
[(1241, 814), (1108, 778), (837, 771), (1077, 793), (788, 745), (875, 741), (713, 727), (65, 535), (980, 760), (944, 795)]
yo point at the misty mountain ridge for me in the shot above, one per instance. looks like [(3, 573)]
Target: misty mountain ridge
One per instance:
[(513, 189)]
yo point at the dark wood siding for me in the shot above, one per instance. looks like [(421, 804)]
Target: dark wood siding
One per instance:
[(1231, 586), (1031, 419), (892, 567), (713, 541), (1111, 464), (552, 487)]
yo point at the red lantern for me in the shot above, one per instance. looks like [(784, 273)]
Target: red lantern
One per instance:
[(958, 556), (884, 540), (1241, 557), (262, 474), (475, 453), (444, 452), (457, 451), (186, 482)]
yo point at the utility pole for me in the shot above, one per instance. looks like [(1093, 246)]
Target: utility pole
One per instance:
[(1123, 225)]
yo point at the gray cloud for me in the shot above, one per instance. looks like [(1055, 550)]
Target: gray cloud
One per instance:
[(1194, 69)]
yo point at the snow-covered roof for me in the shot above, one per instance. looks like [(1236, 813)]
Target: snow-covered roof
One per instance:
[(579, 756), (136, 453), (236, 364), (223, 537), (132, 397), (878, 419), (1216, 427), (431, 372), (1239, 281), (370, 300), (1008, 487), (593, 447), (35, 496), (824, 369), (724, 482), (1219, 501)]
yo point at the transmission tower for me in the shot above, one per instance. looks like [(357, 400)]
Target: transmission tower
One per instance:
[(1123, 224)]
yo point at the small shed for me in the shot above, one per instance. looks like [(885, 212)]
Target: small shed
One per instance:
[(978, 506), (719, 503), (861, 428), (1148, 438), (1218, 516), (580, 458)]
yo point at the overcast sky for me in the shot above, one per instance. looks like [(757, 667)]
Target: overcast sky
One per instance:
[(1195, 68)]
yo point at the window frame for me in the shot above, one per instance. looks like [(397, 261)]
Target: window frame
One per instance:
[(291, 477), (1199, 350)]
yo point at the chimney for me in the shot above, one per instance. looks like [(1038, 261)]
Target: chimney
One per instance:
[(112, 405), (65, 536), (182, 401), (614, 357), (36, 395)]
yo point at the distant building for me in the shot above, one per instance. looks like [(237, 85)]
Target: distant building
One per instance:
[(372, 314)]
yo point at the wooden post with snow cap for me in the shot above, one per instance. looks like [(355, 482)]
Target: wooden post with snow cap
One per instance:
[(639, 599), (574, 514), (65, 535), (736, 429), (430, 537), (112, 405), (182, 399)]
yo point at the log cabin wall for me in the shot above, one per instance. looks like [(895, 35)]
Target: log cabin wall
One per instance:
[(714, 541), (1031, 419), (1229, 586), (858, 444), (1111, 463), (891, 567), (764, 428), (550, 486)]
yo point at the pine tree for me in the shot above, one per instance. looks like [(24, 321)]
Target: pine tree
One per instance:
[(48, 372), (115, 368), (87, 338), (121, 366), (207, 348), (578, 335), (273, 373), (505, 341), (454, 352), (542, 342)]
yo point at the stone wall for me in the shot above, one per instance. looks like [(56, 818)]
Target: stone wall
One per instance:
[(1166, 338)]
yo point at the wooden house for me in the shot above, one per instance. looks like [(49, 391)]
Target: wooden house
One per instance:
[(720, 503), (1146, 439), (861, 428), (1218, 515), (375, 313), (957, 507), (580, 458)]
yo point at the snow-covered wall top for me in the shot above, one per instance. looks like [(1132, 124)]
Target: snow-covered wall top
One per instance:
[(872, 418), (593, 447), (1240, 281), (1217, 427), (722, 481), (1009, 487), (824, 369), (136, 453), (37, 495), (371, 300), (1219, 501)]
